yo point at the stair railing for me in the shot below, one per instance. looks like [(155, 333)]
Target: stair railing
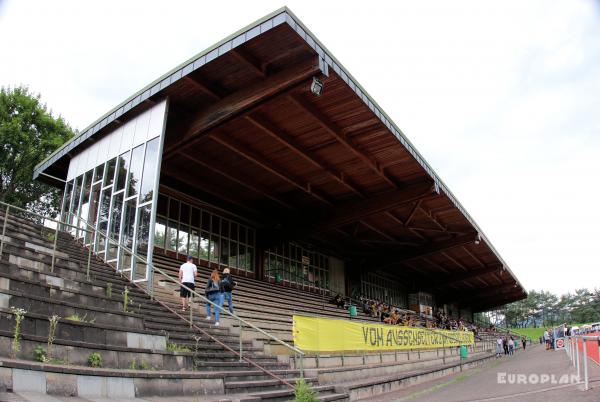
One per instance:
[(56, 223), (297, 352)]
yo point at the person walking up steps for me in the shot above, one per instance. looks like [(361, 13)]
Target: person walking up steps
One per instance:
[(227, 285), (187, 275), (213, 293)]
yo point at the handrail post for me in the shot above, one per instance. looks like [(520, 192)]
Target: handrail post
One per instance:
[(241, 347), (191, 305), (585, 364), (89, 261), (301, 365), (4, 230), (54, 249), (577, 357)]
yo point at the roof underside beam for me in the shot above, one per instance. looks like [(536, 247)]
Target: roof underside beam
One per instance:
[(241, 101), (396, 258)]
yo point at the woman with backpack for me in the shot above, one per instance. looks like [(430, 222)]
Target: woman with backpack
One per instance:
[(213, 293), (227, 285)]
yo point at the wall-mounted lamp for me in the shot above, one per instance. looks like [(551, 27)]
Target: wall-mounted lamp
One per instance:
[(316, 87)]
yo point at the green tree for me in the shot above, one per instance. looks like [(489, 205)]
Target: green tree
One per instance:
[(28, 134)]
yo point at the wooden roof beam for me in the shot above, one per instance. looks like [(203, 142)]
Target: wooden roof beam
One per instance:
[(428, 250), (243, 101), (465, 276), (342, 138), (287, 140), (220, 169), (249, 60), (251, 155), (187, 178), (203, 87), (353, 211)]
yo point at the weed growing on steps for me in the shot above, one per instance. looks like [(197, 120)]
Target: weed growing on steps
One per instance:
[(76, 317), (18, 313), (51, 334), (125, 299), (141, 365), (40, 354), (95, 359), (109, 290), (304, 392), (173, 347)]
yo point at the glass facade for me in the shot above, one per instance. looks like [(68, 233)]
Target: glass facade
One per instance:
[(111, 187), (184, 229), (383, 288), (293, 263)]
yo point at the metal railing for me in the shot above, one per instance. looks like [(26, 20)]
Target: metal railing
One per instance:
[(572, 349), (96, 235)]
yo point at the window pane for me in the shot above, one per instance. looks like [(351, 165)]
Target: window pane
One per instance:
[(159, 233), (143, 230), (135, 171), (67, 200), (150, 170), (110, 172), (194, 239), (174, 209), (204, 246), (128, 223), (214, 249), (115, 224), (195, 218), (103, 219), (122, 168), (99, 172), (172, 236), (182, 247), (184, 216), (163, 204), (224, 250)]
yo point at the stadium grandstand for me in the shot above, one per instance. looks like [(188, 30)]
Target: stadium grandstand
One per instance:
[(262, 155)]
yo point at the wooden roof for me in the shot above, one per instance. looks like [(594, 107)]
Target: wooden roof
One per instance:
[(244, 130)]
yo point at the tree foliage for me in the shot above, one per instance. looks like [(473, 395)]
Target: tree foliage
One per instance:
[(28, 134), (542, 308)]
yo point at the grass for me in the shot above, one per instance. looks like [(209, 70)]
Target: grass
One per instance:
[(533, 333)]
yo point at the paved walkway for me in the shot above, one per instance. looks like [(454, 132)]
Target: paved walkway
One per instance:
[(499, 381)]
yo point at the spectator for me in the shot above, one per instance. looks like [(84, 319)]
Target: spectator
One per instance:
[(187, 275), (499, 346), (213, 293), (511, 346), (524, 342), (227, 285)]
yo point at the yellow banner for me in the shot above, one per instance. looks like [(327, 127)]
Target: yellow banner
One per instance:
[(328, 335)]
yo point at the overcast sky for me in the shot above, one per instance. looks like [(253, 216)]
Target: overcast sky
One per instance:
[(502, 99)]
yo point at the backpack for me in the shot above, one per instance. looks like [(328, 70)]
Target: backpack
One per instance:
[(227, 283)]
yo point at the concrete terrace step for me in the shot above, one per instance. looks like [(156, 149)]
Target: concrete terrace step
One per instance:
[(111, 383)]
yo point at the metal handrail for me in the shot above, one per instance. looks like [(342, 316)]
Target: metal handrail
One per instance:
[(572, 350), (44, 218), (60, 223), (201, 297)]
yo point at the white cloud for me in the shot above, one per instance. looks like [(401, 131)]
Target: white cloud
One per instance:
[(502, 99)]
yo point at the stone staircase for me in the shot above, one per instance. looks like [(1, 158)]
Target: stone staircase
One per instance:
[(147, 347)]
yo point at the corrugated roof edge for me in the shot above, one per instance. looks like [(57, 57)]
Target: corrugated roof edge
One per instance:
[(275, 18)]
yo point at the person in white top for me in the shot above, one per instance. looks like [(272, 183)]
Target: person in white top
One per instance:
[(187, 275)]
